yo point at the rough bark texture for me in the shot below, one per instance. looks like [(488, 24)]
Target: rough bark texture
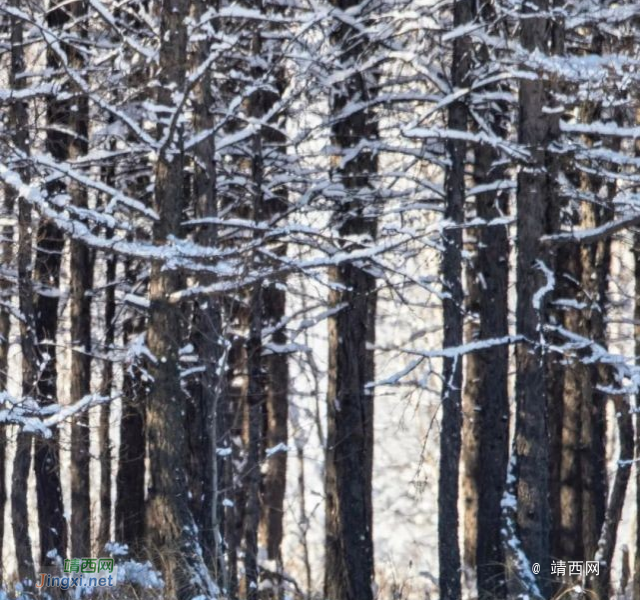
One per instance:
[(53, 525), (596, 259), (534, 189), (493, 450), (275, 417), (255, 403), (471, 418), (80, 315), (130, 476), (20, 511), (170, 529), (106, 388), (349, 456), (22, 459), (207, 337), (601, 585), (60, 139), (452, 305)]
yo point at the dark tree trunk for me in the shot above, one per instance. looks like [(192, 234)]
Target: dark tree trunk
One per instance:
[(106, 388), (471, 418), (349, 560), (18, 121), (601, 584), (274, 373), (53, 524), (80, 314), (207, 338), (73, 118), (170, 529), (452, 304), (274, 480), (493, 451), (255, 404), (20, 512), (66, 137), (130, 476), (581, 273), (533, 267)]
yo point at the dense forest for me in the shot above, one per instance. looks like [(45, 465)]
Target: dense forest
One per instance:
[(321, 299)]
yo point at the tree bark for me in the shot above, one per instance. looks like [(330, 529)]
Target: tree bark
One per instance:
[(471, 418), (130, 476), (170, 529), (106, 388), (80, 314), (349, 560), (452, 305), (533, 268), (207, 337), (18, 120), (601, 584), (493, 450), (72, 117), (53, 526)]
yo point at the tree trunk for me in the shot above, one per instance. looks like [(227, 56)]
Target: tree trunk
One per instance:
[(533, 270), (471, 417), (73, 115), (452, 305), (170, 529), (255, 403), (206, 336), (601, 584), (106, 388), (274, 480), (52, 522), (53, 526), (18, 120), (80, 314), (349, 560), (130, 476), (493, 450), (20, 512), (274, 408)]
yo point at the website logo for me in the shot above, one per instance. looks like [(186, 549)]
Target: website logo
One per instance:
[(82, 573)]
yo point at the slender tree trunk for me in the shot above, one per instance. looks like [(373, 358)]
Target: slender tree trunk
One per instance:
[(53, 524), (533, 271), (18, 120), (275, 364), (80, 314), (493, 451), (471, 417), (130, 476), (601, 518), (76, 122), (596, 259), (601, 584), (106, 387), (349, 560), (207, 336), (20, 512), (170, 528), (255, 403), (450, 435)]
